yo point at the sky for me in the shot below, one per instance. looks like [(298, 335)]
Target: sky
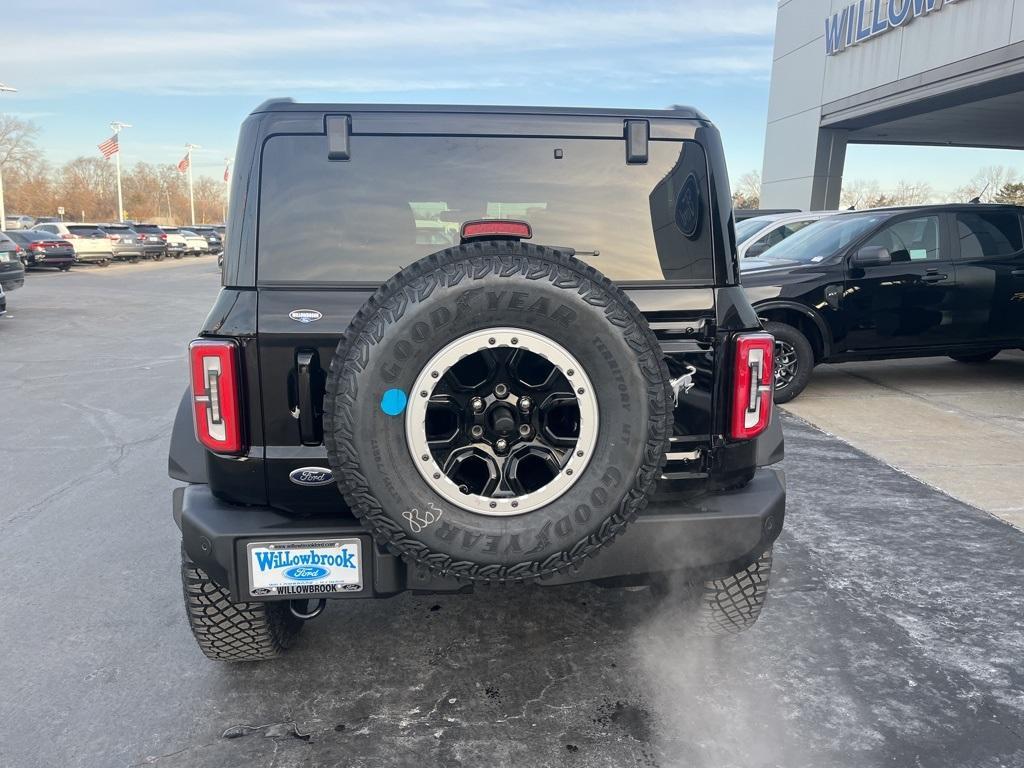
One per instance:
[(190, 71)]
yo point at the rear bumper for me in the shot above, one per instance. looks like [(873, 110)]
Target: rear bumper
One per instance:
[(711, 536), (51, 260), (12, 280)]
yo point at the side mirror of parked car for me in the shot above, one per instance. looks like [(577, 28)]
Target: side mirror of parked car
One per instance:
[(872, 256)]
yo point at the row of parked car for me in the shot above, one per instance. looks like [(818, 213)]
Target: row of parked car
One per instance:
[(60, 245), (884, 283)]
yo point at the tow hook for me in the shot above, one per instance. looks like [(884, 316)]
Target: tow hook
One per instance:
[(300, 609)]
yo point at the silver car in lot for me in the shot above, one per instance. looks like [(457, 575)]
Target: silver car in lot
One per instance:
[(128, 244), (755, 236)]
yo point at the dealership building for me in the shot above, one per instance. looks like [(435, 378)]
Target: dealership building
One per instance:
[(923, 72)]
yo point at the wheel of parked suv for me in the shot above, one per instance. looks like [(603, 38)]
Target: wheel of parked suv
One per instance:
[(794, 361), (103, 263), (497, 412), (228, 631), (64, 267), (158, 257), (980, 357)]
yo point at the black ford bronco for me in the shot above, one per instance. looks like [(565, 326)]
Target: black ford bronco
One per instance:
[(459, 346)]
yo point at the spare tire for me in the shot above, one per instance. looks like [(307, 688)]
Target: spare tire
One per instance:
[(497, 412)]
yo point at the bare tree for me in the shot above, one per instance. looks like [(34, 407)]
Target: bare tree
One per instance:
[(17, 142), (985, 184), (87, 187), (859, 193), (747, 192), (912, 193), (28, 186)]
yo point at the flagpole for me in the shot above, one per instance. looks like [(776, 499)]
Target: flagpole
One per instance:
[(116, 127), (191, 195), (3, 211)]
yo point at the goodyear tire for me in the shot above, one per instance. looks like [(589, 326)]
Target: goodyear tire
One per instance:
[(229, 631), (733, 604), (563, 366)]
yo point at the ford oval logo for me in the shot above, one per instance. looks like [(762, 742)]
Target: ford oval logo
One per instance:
[(688, 208), (305, 573), (311, 476), (305, 315)]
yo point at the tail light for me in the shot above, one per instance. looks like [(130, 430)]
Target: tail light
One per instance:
[(752, 378), (36, 247), (496, 228), (114, 238), (163, 237), (215, 395)]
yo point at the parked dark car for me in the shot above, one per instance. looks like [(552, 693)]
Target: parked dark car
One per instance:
[(154, 240), (128, 244), (12, 269), (3, 302), (891, 283), (213, 237), (371, 412), (44, 250)]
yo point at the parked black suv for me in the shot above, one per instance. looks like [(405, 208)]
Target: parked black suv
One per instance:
[(892, 282), (570, 387)]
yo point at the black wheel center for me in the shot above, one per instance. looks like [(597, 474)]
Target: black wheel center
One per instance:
[(503, 420)]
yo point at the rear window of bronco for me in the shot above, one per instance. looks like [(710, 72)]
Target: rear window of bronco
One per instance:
[(399, 198)]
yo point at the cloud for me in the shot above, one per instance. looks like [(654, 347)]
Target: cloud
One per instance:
[(407, 47)]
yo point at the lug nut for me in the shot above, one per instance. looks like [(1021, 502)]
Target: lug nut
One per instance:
[(525, 404), (477, 404), (524, 430), (501, 391), (476, 431), (501, 445)]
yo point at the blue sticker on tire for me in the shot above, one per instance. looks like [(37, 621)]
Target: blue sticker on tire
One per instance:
[(393, 402)]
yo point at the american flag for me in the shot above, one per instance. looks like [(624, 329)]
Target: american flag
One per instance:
[(183, 164), (226, 175), (109, 147)]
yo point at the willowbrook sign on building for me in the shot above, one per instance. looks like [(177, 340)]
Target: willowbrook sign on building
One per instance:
[(865, 19)]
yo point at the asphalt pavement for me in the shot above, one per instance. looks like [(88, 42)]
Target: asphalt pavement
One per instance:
[(893, 636), (956, 426)]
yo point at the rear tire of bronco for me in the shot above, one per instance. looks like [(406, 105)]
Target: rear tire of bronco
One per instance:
[(497, 412), (980, 357), (794, 361), (733, 604), (229, 631)]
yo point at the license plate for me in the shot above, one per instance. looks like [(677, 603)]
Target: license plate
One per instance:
[(5, 258), (304, 568)]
